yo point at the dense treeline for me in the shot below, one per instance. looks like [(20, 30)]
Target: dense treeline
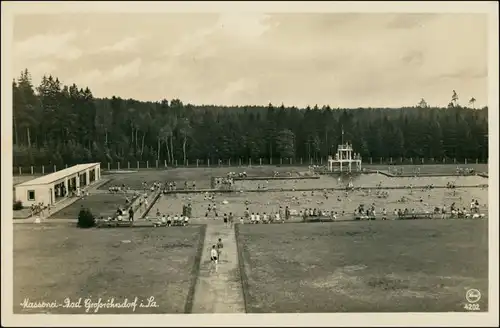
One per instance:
[(59, 124)]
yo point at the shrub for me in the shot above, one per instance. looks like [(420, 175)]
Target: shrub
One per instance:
[(85, 219), (18, 205)]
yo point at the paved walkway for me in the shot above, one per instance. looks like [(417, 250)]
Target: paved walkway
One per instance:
[(139, 213), (221, 291)]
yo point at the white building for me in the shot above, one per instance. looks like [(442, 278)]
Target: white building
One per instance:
[(54, 187)]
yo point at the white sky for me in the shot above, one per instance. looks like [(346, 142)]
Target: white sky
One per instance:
[(339, 59)]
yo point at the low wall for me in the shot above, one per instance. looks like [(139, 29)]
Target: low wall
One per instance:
[(276, 178), (422, 175), (198, 191)]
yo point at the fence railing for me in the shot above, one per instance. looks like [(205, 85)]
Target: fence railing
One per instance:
[(241, 162)]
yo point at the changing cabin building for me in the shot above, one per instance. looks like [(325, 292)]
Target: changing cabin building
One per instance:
[(54, 187)]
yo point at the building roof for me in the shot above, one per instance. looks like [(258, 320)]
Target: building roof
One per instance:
[(52, 177)]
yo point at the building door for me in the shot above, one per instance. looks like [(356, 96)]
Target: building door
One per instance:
[(51, 197)]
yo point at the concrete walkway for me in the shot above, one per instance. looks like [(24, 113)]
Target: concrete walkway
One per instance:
[(141, 211), (221, 291)]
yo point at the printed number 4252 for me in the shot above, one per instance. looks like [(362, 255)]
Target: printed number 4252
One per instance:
[(471, 307)]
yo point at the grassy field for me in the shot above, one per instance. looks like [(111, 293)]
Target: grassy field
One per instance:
[(54, 262), (374, 266), (99, 204)]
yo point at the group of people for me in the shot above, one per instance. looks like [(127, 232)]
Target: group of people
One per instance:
[(38, 209), (368, 212), (118, 189), (239, 175), (223, 183), (465, 171), (256, 218), (319, 213), (173, 219), (169, 220), (215, 255)]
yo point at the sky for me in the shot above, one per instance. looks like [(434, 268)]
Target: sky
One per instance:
[(298, 59)]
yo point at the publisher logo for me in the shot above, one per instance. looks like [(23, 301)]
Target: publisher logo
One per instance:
[(473, 296)]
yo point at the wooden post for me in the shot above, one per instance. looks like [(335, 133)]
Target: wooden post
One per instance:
[(208, 162), (137, 164), (43, 169), (32, 171), (55, 168), (20, 170), (118, 165), (147, 164), (321, 160), (156, 163)]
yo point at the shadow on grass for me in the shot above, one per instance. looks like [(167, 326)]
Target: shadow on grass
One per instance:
[(195, 272), (241, 264)]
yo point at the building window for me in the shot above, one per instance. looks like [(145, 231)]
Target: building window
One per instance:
[(31, 195)]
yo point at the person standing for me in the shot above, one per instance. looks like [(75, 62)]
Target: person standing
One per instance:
[(131, 215), (220, 246), (213, 259)]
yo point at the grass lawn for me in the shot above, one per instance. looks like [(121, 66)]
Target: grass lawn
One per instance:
[(374, 266), (99, 204), (54, 262)]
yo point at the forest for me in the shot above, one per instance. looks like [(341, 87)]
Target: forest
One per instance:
[(62, 124)]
